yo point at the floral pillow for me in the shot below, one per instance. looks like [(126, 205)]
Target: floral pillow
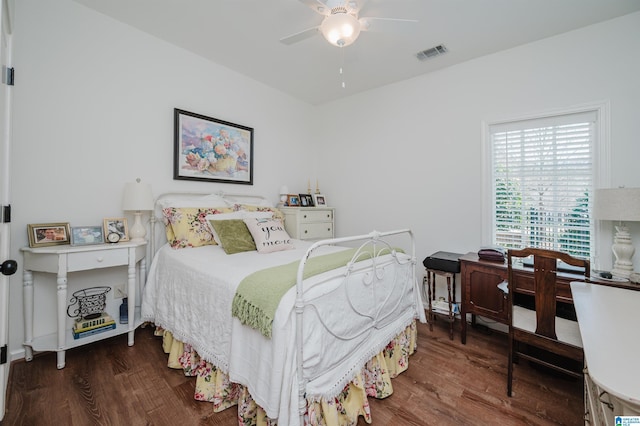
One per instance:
[(188, 227), (269, 234)]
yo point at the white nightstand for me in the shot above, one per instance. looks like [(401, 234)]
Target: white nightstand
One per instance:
[(61, 260), (309, 223)]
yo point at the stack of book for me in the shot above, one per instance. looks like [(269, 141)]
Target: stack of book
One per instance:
[(88, 327), (442, 307)]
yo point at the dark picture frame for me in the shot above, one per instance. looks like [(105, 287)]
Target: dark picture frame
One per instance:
[(87, 235), (306, 200), (211, 150), (48, 234)]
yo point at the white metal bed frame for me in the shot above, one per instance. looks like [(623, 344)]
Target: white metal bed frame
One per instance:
[(377, 320), (375, 239)]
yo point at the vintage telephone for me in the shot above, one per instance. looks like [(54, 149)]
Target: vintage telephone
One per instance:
[(493, 253)]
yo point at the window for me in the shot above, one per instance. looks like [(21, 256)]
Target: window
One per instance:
[(542, 180)]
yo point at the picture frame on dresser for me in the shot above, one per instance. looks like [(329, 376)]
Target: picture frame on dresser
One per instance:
[(118, 225), (48, 234), (306, 200), (86, 235), (293, 200), (212, 150), (319, 200)]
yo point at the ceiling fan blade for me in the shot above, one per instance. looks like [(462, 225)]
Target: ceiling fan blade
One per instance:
[(387, 25), (317, 6), (302, 35)]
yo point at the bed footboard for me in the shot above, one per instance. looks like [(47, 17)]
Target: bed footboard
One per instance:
[(379, 291)]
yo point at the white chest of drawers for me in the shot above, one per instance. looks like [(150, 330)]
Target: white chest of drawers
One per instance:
[(309, 223)]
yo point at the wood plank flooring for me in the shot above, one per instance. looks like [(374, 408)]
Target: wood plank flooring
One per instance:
[(447, 383)]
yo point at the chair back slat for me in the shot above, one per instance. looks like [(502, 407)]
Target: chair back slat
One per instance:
[(544, 285)]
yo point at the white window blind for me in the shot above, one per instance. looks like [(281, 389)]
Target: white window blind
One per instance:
[(543, 179)]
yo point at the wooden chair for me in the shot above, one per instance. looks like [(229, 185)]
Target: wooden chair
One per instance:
[(541, 328)]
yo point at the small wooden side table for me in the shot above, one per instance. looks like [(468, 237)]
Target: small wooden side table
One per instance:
[(446, 265), (451, 297)]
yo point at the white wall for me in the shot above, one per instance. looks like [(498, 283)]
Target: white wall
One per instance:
[(94, 104), (409, 154), (89, 89)]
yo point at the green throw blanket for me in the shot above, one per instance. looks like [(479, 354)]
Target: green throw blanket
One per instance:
[(259, 294)]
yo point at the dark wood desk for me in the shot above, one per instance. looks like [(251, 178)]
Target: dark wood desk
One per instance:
[(481, 295)]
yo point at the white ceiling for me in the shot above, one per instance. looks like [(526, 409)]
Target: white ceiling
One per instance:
[(243, 35)]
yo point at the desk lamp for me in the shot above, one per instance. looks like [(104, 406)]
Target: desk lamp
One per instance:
[(622, 205)]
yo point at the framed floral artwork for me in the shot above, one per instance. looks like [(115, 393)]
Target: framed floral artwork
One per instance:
[(208, 149)]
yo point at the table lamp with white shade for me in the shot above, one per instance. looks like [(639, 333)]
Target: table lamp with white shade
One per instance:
[(137, 197), (621, 205), (284, 191)]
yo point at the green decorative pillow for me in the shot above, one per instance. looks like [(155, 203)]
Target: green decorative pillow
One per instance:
[(234, 235)]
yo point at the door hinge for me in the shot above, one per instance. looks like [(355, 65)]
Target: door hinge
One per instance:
[(6, 214), (8, 75), (3, 355)]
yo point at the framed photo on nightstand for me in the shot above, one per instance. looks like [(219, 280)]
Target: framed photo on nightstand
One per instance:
[(48, 234), (86, 235), (293, 200), (117, 225)]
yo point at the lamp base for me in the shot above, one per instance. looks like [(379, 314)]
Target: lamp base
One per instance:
[(137, 231), (623, 250)]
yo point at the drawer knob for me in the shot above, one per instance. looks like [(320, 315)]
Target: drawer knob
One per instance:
[(100, 259), (306, 231), (304, 216)]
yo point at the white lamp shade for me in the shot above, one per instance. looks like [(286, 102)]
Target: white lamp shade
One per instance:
[(340, 29), (137, 196), (618, 204), (623, 205)]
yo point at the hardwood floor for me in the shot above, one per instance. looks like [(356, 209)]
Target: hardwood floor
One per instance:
[(447, 383)]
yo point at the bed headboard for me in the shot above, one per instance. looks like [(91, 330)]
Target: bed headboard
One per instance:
[(195, 199)]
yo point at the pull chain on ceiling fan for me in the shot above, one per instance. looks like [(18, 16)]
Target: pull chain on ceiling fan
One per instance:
[(344, 86)]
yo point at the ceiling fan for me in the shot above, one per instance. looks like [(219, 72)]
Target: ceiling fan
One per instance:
[(341, 25)]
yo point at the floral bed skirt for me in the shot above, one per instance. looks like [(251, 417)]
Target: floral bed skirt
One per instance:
[(374, 380)]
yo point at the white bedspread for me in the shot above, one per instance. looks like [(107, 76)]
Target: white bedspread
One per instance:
[(190, 292)]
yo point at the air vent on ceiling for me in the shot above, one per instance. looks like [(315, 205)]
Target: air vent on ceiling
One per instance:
[(432, 53)]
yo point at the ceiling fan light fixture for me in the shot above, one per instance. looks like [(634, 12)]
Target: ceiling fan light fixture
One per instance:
[(340, 29)]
